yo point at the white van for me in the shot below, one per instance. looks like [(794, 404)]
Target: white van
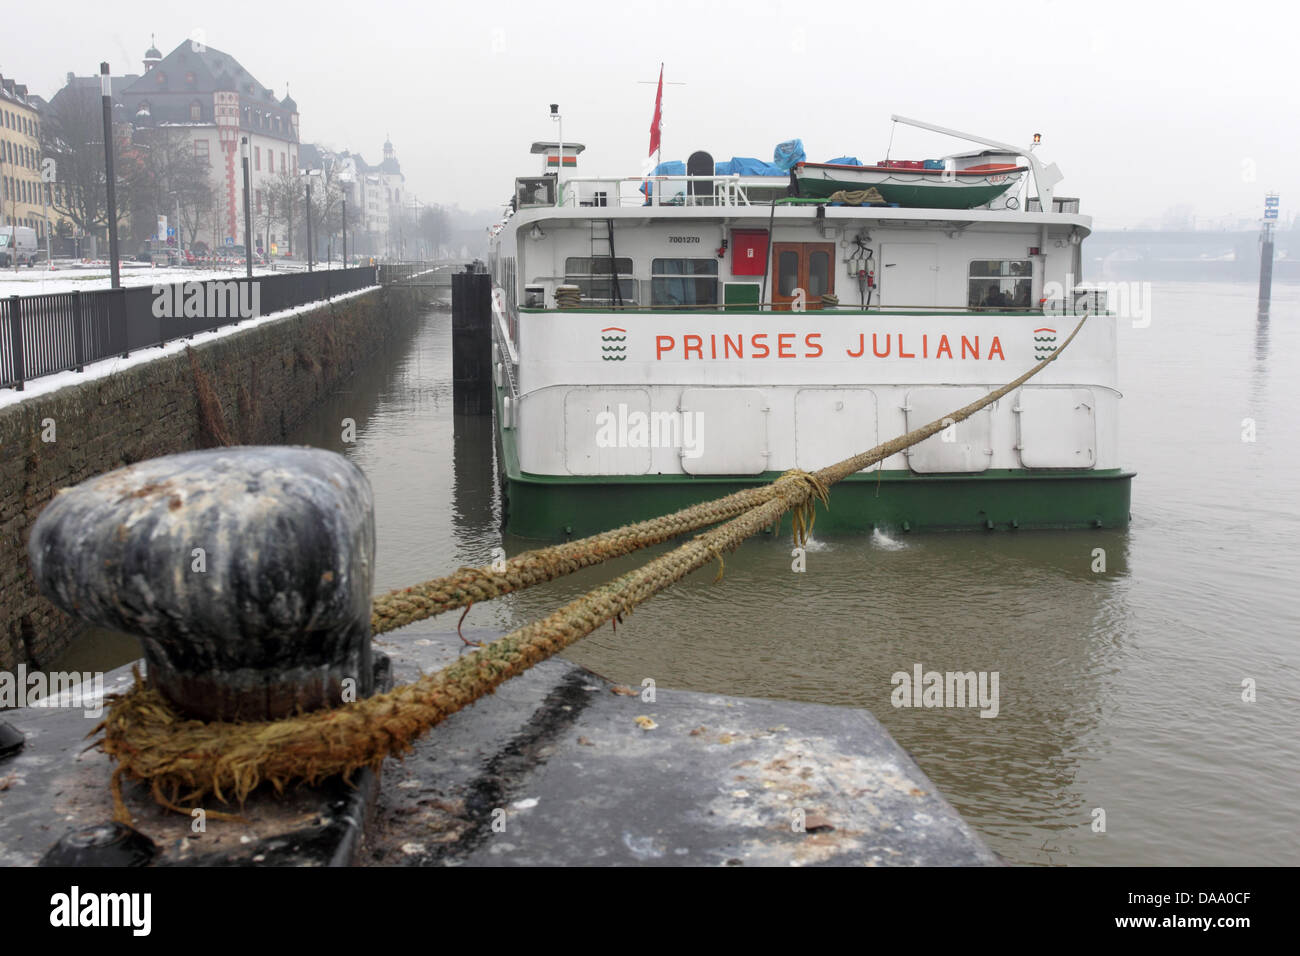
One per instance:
[(19, 242)]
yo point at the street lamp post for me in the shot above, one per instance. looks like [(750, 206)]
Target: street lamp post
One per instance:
[(345, 231), (248, 213), (106, 94), (309, 247), (45, 215), (13, 217)]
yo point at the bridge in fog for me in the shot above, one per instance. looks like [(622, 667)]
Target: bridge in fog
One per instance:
[(1190, 255)]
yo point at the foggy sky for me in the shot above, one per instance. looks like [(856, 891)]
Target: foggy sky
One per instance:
[(1143, 107)]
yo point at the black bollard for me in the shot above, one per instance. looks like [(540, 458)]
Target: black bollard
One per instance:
[(245, 572), (471, 342), (12, 739)]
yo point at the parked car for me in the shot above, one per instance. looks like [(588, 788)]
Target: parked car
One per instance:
[(18, 243), (237, 252), (158, 252)]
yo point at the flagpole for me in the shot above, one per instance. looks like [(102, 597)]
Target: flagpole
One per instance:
[(559, 167), (656, 139)]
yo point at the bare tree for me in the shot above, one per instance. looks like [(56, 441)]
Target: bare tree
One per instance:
[(73, 136), (174, 176), (326, 200), (284, 202), (435, 229), (327, 215), (352, 222)]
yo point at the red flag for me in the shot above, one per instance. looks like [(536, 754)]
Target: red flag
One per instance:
[(658, 121)]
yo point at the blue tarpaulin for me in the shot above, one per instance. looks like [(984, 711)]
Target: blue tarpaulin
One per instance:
[(787, 154), (674, 167), (748, 166)]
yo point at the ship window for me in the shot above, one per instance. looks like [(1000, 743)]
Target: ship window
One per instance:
[(1000, 283), (684, 282), (819, 272), (595, 276), (788, 270), (536, 191)]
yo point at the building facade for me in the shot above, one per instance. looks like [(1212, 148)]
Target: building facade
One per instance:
[(393, 184), (20, 158), (207, 100), (376, 197), (200, 102)]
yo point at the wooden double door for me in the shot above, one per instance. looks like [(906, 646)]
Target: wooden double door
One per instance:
[(807, 267)]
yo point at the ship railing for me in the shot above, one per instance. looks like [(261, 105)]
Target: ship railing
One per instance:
[(638, 303), (725, 190)]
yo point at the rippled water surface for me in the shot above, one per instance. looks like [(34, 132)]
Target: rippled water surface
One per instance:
[(1119, 691)]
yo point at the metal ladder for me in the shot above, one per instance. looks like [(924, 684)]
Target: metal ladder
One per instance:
[(605, 238)]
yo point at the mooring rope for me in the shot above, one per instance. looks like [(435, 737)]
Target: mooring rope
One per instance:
[(469, 586), (472, 585), (185, 760)]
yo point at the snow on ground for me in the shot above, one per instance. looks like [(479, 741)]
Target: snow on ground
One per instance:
[(65, 277), (102, 369)]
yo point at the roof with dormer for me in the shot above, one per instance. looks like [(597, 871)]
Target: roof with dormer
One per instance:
[(190, 74)]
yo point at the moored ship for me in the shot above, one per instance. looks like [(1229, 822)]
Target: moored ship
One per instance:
[(661, 341)]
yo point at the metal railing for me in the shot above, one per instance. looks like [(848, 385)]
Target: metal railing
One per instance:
[(391, 273), (65, 331), (425, 273), (725, 190)]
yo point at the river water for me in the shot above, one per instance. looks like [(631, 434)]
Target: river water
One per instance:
[(1120, 691)]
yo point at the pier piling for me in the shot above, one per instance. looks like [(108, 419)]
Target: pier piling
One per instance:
[(1271, 204), (471, 342), (1265, 268)]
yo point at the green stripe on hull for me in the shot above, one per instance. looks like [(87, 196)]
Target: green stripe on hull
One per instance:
[(551, 508), (911, 195)]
